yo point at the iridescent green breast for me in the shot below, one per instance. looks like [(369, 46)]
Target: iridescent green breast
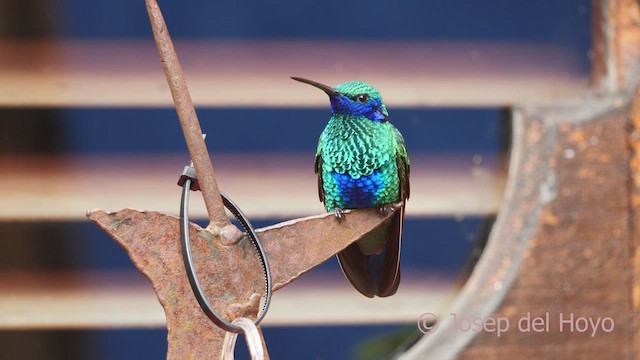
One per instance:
[(359, 166)]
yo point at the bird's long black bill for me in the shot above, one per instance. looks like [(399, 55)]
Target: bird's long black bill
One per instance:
[(328, 89)]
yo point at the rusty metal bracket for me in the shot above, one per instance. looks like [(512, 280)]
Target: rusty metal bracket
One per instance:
[(151, 241)]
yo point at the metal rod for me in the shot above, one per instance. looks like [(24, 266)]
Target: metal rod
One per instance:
[(220, 224)]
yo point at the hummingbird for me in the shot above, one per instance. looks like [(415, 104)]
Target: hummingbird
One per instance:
[(361, 161)]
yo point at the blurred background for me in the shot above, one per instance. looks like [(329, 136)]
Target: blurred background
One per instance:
[(86, 121)]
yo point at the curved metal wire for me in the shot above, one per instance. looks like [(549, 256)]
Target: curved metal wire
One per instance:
[(191, 271)]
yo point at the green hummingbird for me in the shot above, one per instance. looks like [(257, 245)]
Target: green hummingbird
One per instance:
[(362, 161)]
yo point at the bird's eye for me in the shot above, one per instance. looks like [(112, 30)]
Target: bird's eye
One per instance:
[(362, 98)]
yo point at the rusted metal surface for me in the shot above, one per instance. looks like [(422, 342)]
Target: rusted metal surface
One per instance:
[(190, 126), (616, 51), (561, 246), (564, 243), (634, 203), (230, 275), (495, 272), (577, 257)]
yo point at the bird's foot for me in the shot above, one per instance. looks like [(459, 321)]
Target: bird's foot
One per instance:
[(386, 209), (338, 213)]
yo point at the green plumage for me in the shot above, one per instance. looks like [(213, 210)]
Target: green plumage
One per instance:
[(362, 161), (358, 147)]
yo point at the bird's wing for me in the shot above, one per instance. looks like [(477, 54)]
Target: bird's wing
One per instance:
[(402, 159), (355, 266), (390, 274), (375, 272), (388, 283), (318, 169)]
